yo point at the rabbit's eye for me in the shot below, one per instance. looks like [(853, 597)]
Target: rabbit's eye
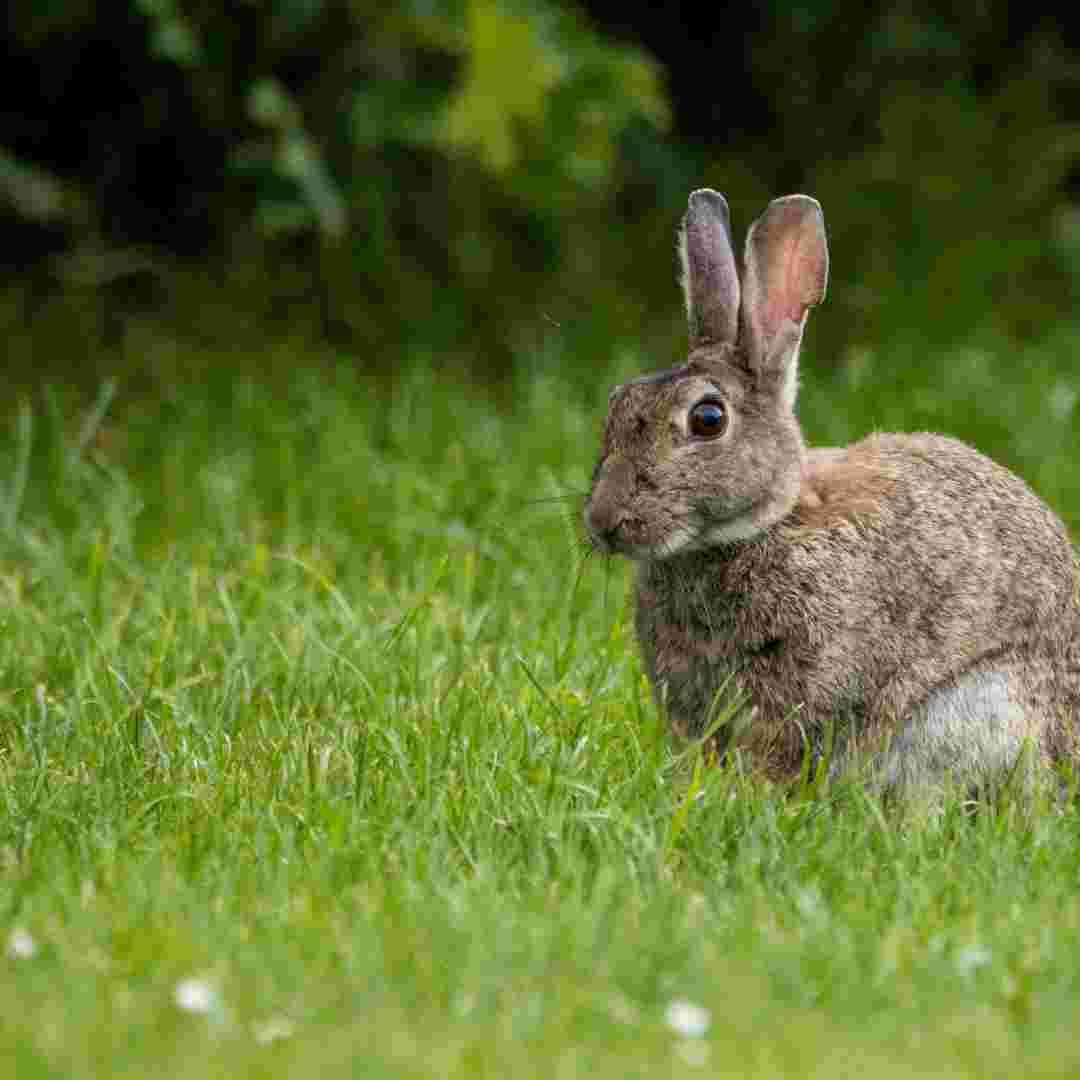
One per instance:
[(708, 419)]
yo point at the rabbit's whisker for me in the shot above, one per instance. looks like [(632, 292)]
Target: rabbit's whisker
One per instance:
[(566, 497)]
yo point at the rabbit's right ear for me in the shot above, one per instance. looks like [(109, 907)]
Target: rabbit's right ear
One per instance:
[(709, 279), (785, 271)]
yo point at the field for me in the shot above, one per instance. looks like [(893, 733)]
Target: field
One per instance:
[(324, 751)]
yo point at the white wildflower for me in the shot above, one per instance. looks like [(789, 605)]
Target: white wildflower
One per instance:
[(687, 1019), (20, 945), (970, 958), (195, 996)]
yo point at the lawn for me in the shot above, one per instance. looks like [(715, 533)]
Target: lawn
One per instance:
[(324, 751)]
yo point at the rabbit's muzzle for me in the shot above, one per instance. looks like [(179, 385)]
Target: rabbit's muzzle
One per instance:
[(608, 519)]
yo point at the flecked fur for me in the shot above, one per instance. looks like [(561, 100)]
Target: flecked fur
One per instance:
[(904, 601)]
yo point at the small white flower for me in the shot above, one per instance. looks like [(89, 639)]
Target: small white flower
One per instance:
[(687, 1018), (20, 945), (970, 958), (273, 1029), (195, 996)]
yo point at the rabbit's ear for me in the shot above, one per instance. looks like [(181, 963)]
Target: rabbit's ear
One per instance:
[(709, 279), (785, 272)]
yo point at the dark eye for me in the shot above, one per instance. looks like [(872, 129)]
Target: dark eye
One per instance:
[(708, 419)]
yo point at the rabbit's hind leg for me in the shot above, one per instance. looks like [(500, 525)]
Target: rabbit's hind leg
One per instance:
[(972, 737)]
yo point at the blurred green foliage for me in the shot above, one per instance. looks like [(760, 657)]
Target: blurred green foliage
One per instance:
[(467, 177)]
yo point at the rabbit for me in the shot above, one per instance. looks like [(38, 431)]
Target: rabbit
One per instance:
[(904, 605)]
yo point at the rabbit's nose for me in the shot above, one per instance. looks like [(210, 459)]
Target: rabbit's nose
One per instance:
[(606, 510)]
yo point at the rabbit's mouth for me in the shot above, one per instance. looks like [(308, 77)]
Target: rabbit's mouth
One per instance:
[(616, 537), (632, 539), (617, 532)]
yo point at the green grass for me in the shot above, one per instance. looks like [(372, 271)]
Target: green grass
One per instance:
[(306, 695)]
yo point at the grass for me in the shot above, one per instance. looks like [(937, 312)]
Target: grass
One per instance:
[(322, 752)]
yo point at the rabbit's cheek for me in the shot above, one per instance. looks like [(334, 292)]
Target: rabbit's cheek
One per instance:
[(728, 511)]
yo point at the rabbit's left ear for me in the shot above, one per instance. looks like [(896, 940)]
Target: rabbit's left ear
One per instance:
[(785, 273), (710, 280)]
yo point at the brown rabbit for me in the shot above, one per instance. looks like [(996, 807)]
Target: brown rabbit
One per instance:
[(903, 603)]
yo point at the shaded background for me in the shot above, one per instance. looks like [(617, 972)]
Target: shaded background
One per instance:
[(468, 181)]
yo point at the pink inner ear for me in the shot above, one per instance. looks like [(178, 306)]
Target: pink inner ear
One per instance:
[(803, 285), (787, 261)]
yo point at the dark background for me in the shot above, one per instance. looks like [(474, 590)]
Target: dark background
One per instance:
[(465, 180)]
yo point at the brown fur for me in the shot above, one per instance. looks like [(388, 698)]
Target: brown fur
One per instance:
[(904, 597)]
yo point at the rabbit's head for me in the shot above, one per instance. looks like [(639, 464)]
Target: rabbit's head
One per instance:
[(710, 452)]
